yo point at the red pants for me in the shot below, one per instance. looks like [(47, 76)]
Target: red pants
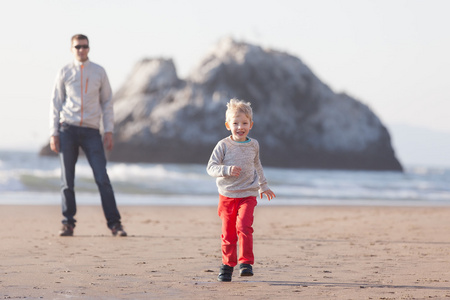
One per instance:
[(237, 221)]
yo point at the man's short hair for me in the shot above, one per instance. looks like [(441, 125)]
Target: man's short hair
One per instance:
[(79, 37)]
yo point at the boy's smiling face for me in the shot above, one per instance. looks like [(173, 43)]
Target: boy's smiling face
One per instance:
[(240, 126)]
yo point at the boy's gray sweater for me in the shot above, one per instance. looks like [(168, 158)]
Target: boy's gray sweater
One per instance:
[(228, 153)]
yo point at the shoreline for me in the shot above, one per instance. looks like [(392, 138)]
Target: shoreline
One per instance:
[(93, 199), (310, 252)]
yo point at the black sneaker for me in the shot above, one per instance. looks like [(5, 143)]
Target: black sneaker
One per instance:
[(117, 230), (225, 273), (66, 230), (245, 270)]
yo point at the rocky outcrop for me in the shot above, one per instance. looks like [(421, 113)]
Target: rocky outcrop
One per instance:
[(298, 120)]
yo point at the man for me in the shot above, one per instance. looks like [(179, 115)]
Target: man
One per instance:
[(81, 98)]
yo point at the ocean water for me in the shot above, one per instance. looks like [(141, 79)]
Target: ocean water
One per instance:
[(28, 179)]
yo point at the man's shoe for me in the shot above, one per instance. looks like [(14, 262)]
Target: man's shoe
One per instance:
[(225, 273), (66, 230), (117, 230), (245, 270)]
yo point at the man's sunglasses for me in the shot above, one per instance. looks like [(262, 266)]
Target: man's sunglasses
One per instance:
[(78, 47)]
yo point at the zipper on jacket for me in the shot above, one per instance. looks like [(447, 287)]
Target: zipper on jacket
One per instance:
[(81, 74)]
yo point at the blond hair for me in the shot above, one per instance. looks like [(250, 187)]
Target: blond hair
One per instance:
[(236, 106)]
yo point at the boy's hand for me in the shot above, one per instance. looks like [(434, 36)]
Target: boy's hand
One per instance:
[(235, 171), (269, 194)]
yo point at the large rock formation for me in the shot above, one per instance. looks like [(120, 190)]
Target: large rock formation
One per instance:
[(298, 120)]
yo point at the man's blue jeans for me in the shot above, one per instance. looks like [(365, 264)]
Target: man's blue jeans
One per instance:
[(71, 138)]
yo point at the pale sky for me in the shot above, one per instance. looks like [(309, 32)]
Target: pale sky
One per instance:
[(393, 55)]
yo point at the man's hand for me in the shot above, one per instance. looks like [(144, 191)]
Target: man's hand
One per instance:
[(54, 143), (108, 141)]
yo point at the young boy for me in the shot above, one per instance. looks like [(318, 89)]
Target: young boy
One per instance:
[(240, 178)]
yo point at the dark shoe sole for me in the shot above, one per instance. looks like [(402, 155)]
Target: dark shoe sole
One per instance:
[(223, 279), (246, 273), (119, 233), (65, 234)]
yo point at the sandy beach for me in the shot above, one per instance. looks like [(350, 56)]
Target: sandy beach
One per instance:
[(302, 252)]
